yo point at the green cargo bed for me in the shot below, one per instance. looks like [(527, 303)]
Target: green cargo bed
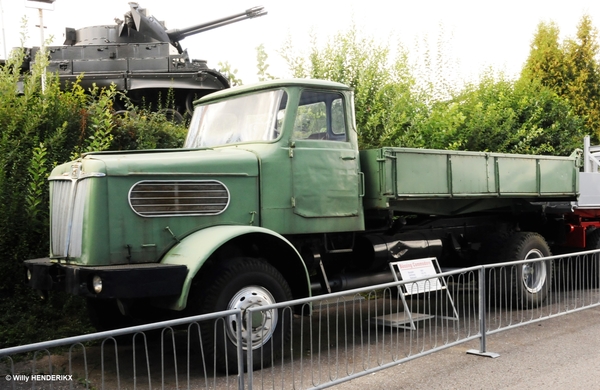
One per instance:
[(452, 182)]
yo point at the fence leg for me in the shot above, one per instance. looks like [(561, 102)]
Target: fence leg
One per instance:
[(482, 326), (240, 353), (249, 354)]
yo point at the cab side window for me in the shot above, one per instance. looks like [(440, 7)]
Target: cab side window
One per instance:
[(320, 117)]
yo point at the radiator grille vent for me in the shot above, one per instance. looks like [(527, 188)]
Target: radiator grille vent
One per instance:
[(68, 201), (178, 198)]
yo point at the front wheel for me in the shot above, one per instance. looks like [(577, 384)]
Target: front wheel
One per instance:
[(243, 284)]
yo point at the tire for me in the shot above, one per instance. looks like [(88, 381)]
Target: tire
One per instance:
[(240, 284), (522, 286)]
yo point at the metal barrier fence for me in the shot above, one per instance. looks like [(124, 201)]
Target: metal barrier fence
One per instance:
[(325, 340), (168, 354), (575, 283)]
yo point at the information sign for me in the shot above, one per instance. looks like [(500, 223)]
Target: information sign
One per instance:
[(419, 269)]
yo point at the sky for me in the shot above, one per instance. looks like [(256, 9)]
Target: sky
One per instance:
[(477, 34)]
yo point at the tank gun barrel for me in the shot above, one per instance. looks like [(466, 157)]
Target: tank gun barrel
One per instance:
[(175, 35)]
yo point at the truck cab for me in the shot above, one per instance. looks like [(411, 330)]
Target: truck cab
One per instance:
[(303, 134)]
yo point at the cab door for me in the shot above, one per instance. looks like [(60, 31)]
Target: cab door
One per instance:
[(325, 168)]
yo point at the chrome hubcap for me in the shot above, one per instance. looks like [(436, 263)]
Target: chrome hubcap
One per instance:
[(535, 273), (263, 322)]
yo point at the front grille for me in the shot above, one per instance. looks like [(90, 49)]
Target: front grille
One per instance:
[(60, 198), (66, 219), (178, 198), (75, 240)]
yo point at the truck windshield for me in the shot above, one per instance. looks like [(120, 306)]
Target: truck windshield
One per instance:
[(250, 118)]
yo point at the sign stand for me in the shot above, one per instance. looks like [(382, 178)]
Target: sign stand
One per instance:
[(408, 271)]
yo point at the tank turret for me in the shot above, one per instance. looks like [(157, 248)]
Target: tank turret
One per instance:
[(140, 56)]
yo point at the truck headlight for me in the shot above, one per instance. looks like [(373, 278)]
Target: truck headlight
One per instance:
[(97, 284)]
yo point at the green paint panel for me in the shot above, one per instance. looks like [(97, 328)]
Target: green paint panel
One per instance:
[(555, 176), (186, 162), (518, 176), (325, 179), (421, 174), (114, 234), (472, 175)]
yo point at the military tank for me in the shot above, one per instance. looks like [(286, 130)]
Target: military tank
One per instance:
[(141, 57)]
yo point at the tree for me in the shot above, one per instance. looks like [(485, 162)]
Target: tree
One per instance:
[(583, 74), (570, 69), (546, 61)]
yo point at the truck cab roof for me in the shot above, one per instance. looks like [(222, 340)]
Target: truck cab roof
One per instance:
[(272, 84)]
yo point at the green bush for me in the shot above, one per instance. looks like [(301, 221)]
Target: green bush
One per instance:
[(40, 129), (501, 115), (143, 129)]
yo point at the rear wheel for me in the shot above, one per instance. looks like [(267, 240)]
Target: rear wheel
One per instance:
[(243, 284), (524, 285)]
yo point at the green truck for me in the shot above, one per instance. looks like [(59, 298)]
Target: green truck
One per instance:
[(271, 200)]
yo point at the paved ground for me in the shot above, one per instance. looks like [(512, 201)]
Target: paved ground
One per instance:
[(560, 353)]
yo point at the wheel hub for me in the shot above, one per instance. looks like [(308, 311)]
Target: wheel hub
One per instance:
[(534, 273), (263, 322)]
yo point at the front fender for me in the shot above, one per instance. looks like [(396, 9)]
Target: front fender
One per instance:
[(195, 249)]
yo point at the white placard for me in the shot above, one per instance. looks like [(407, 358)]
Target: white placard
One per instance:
[(418, 269), (47, 5)]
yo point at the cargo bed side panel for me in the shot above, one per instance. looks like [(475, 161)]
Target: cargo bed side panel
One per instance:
[(418, 179)]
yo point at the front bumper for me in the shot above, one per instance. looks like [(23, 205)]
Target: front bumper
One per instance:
[(118, 281)]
